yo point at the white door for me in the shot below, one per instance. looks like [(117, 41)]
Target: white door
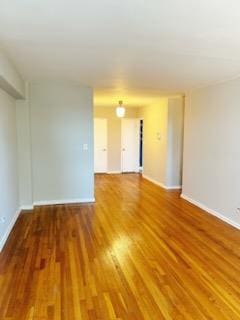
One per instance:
[(130, 145), (100, 145)]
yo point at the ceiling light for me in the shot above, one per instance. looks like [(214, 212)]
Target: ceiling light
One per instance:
[(120, 110)]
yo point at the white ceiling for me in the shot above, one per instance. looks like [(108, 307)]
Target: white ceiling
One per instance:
[(147, 46)]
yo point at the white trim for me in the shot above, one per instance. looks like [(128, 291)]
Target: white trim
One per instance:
[(211, 211), (114, 172), (9, 229), (27, 207), (153, 180), (30, 207), (172, 187), (68, 201), (160, 184)]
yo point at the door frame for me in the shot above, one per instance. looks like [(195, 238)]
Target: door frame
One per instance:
[(137, 170), (102, 118), (141, 168)]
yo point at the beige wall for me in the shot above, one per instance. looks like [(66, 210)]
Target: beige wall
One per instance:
[(211, 175), (162, 136), (155, 140), (114, 133)]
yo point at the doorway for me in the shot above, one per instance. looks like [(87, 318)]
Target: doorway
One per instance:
[(100, 145), (141, 146), (130, 145)]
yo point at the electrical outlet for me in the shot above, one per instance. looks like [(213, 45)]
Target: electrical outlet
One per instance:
[(2, 219)]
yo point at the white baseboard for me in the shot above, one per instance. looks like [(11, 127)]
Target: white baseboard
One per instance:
[(153, 180), (160, 184), (38, 203), (68, 201), (114, 172), (211, 211), (27, 207), (9, 229), (173, 187)]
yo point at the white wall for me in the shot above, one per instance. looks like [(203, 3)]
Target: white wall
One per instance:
[(41, 144), (10, 80), (162, 141), (9, 202), (174, 142), (24, 151), (11, 87), (211, 172), (61, 122)]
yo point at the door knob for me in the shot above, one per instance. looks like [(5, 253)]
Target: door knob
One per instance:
[(104, 150), (123, 149)]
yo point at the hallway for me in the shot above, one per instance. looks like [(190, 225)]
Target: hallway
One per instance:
[(139, 252)]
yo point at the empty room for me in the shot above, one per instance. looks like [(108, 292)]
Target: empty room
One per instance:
[(119, 160)]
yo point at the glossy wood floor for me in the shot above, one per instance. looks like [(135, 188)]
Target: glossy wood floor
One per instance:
[(139, 253)]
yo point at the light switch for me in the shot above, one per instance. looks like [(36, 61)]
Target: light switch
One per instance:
[(159, 137), (85, 146)]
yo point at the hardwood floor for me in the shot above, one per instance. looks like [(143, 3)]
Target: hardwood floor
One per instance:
[(139, 253)]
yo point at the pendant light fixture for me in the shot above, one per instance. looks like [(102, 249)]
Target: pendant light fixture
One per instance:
[(120, 110)]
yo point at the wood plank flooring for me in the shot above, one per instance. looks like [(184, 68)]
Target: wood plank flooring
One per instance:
[(139, 252)]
